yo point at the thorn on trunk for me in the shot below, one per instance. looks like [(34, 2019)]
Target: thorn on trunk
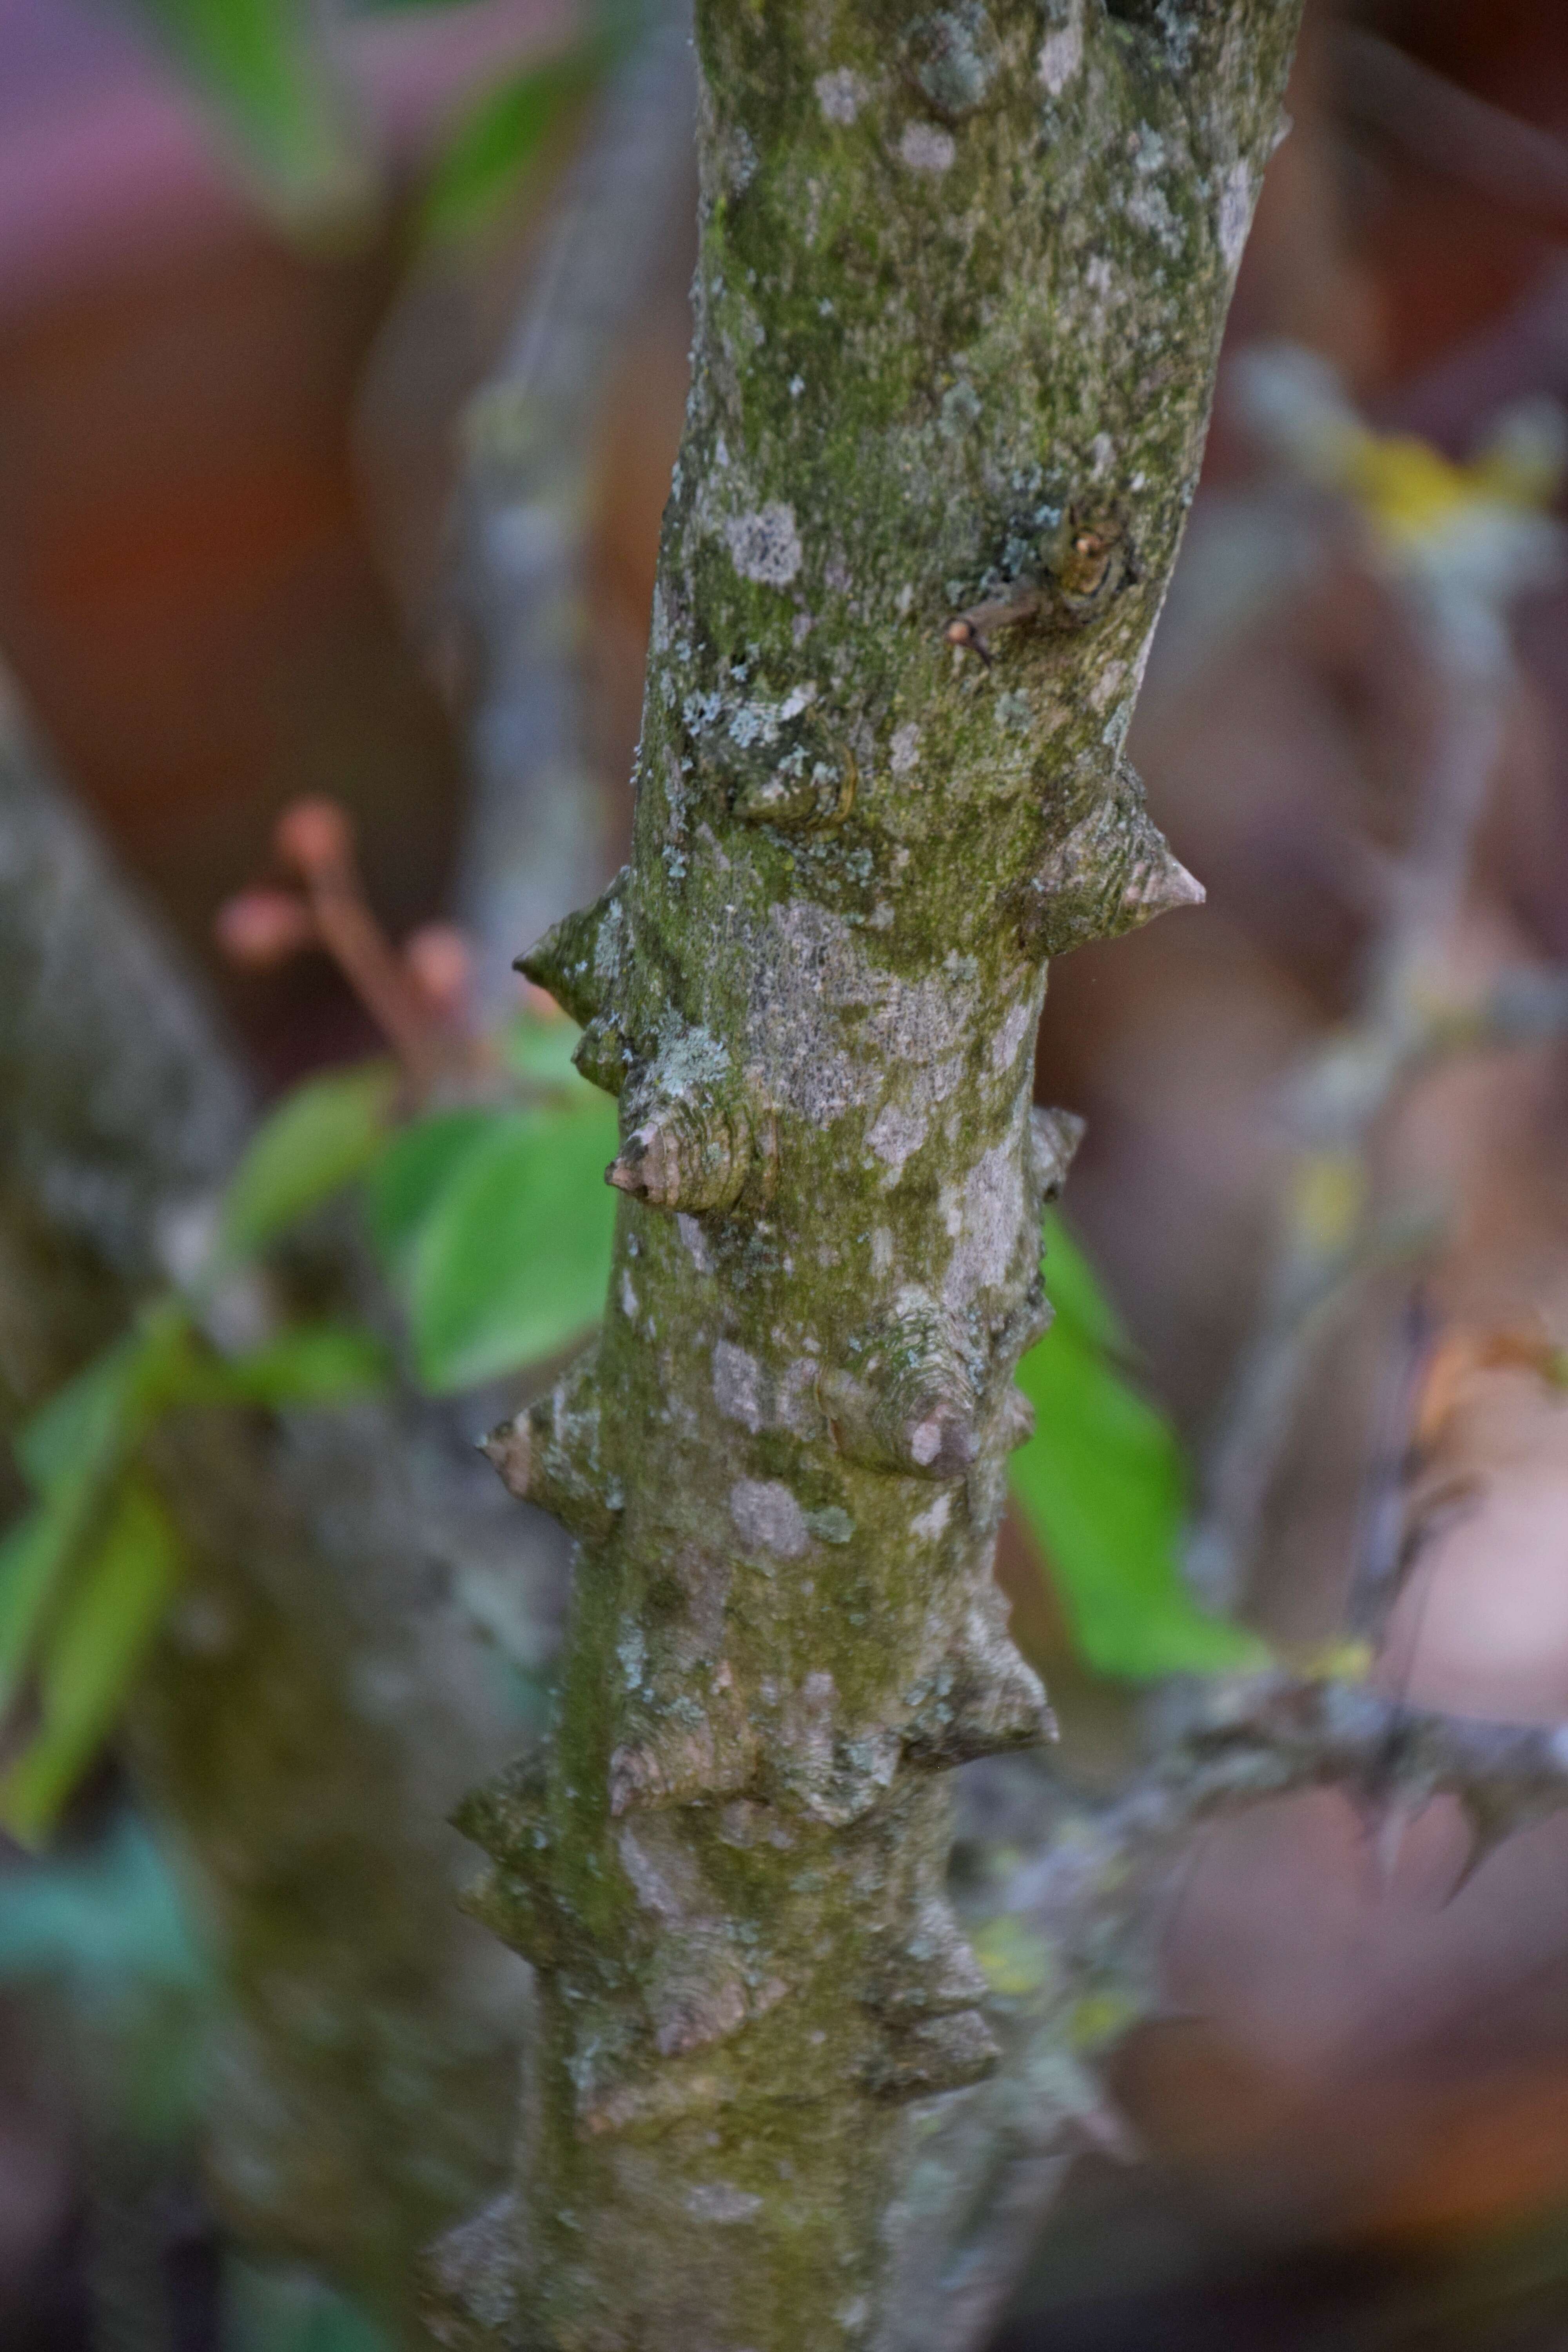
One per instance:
[(569, 960)]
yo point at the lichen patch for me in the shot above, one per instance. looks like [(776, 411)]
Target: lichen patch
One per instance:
[(766, 546)]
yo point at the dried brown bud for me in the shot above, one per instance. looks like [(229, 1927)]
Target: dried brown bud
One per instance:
[(262, 928), (315, 837)]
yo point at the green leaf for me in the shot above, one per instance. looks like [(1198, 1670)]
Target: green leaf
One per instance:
[(267, 2308), (89, 1421), (265, 66), (106, 1920), (500, 136), (1081, 1306), (35, 1557), (539, 1051), (316, 1363), (94, 1646), (320, 1136), (89, 1425), (1102, 1487), (512, 1259), (414, 1171)]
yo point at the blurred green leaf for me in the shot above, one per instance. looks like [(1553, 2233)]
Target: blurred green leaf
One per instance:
[(90, 1424), (91, 1650), (86, 1421), (1102, 1487), (414, 1171), (512, 1258), (108, 1917), (266, 67), (539, 1050), (268, 2308), (500, 136), (320, 1136), (35, 1555), (316, 1363), (71, 1452)]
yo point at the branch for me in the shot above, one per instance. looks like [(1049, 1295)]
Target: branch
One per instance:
[(319, 1700), (534, 841)]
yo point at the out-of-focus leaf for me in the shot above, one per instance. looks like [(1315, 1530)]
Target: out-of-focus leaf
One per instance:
[(266, 68), (415, 1169), (541, 1050), (1102, 1487), (107, 1918), (320, 1136), (268, 2308), (35, 1555), (92, 1648), (91, 1423), (511, 1262), (71, 1452), (86, 1420), (316, 1363), (501, 135)]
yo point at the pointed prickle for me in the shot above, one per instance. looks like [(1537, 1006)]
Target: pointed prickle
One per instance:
[(1017, 1419), (983, 1701), (939, 2054), (509, 1449), (905, 1397), (574, 962), (1489, 1826), (517, 1910), (689, 1154), (506, 1815), (602, 1055), (549, 1454), (1114, 872), (934, 1974), (1054, 1138)]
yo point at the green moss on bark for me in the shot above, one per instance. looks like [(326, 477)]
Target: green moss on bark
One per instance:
[(962, 283)]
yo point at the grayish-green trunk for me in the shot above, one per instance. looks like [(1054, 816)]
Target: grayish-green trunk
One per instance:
[(962, 283)]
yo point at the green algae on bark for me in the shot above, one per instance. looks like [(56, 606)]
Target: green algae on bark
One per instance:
[(961, 282)]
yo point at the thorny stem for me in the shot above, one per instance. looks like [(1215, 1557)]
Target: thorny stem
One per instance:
[(961, 282)]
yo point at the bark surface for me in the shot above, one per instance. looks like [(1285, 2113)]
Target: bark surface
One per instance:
[(960, 288)]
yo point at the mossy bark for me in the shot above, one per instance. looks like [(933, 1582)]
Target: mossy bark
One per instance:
[(962, 284)]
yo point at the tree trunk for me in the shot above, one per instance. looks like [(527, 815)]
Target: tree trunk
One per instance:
[(961, 287)]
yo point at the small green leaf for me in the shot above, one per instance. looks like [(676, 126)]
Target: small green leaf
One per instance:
[(513, 1260), (267, 2308), (541, 1050), (1102, 1488), (266, 68), (88, 1422), (316, 1363), (500, 136), (320, 1136), (94, 1645), (87, 1428), (1081, 1306), (414, 1170), (35, 1555)]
